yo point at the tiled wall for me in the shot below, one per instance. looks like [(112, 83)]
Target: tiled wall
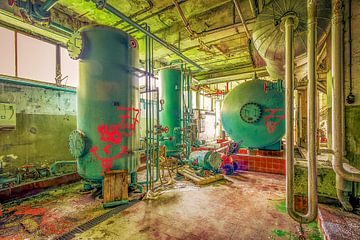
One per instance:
[(264, 164)]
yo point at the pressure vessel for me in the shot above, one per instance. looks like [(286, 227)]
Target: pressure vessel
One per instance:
[(253, 114), (170, 116), (107, 135)]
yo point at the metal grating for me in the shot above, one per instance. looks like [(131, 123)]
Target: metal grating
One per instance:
[(92, 223)]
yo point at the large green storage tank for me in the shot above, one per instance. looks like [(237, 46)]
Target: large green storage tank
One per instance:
[(170, 116), (107, 135), (253, 114)]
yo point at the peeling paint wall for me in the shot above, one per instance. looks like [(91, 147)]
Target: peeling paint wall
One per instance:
[(44, 119), (352, 112)]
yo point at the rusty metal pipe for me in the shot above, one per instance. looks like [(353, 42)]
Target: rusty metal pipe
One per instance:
[(238, 9), (184, 20)]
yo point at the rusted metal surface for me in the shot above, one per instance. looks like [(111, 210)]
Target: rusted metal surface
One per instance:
[(32, 188)]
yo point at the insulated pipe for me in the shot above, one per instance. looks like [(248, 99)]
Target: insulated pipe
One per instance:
[(150, 34), (337, 106), (311, 94), (289, 25)]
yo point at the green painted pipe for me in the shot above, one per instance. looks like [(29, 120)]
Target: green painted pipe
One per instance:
[(47, 5), (54, 167), (107, 135)]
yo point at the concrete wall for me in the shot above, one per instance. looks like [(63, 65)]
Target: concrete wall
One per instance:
[(44, 119), (352, 112)]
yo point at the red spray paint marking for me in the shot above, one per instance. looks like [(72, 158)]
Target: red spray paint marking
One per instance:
[(113, 134), (272, 125)]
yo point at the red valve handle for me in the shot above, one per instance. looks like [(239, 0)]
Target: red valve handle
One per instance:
[(11, 2)]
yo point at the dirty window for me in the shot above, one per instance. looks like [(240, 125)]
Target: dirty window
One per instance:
[(36, 59), (69, 69), (7, 52)]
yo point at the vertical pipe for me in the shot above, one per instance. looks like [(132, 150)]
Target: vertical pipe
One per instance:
[(58, 65), (311, 94), (289, 77), (289, 96), (297, 127), (147, 111)]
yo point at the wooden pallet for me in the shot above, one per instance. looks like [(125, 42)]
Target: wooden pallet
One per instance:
[(189, 173), (115, 186)]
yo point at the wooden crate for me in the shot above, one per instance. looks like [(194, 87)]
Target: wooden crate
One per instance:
[(115, 186), (189, 173)]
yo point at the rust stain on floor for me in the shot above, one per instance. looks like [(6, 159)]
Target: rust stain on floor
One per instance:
[(247, 205), (244, 206), (48, 214)]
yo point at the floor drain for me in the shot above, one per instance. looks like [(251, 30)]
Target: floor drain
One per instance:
[(92, 223)]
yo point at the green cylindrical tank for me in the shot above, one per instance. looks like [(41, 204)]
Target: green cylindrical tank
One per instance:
[(107, 135), (253, 114), (205, 160), (170, 116)]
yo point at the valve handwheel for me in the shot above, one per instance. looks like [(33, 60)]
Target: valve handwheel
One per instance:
[(166, 129)]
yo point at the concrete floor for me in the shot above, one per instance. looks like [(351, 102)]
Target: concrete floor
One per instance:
[(248, 206), (245, 206)]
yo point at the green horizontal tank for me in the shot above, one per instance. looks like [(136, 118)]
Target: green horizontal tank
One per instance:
[(107, 135), (170, 116), (253, 114)]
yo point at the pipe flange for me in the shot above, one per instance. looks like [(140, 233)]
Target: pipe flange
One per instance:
[(251, 112), (76, 45), (77, 143)]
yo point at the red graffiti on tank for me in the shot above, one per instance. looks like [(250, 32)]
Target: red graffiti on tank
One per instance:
[(272, 125), (113, 134)]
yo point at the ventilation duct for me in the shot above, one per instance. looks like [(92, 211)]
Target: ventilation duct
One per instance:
[(269, 38)]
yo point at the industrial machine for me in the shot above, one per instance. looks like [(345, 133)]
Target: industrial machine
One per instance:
[(253, 114), (170, 116), (107, 135), (204, 162)]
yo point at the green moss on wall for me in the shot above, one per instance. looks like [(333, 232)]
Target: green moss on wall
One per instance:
[(326, 180), (352, 132), (352, 139)]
